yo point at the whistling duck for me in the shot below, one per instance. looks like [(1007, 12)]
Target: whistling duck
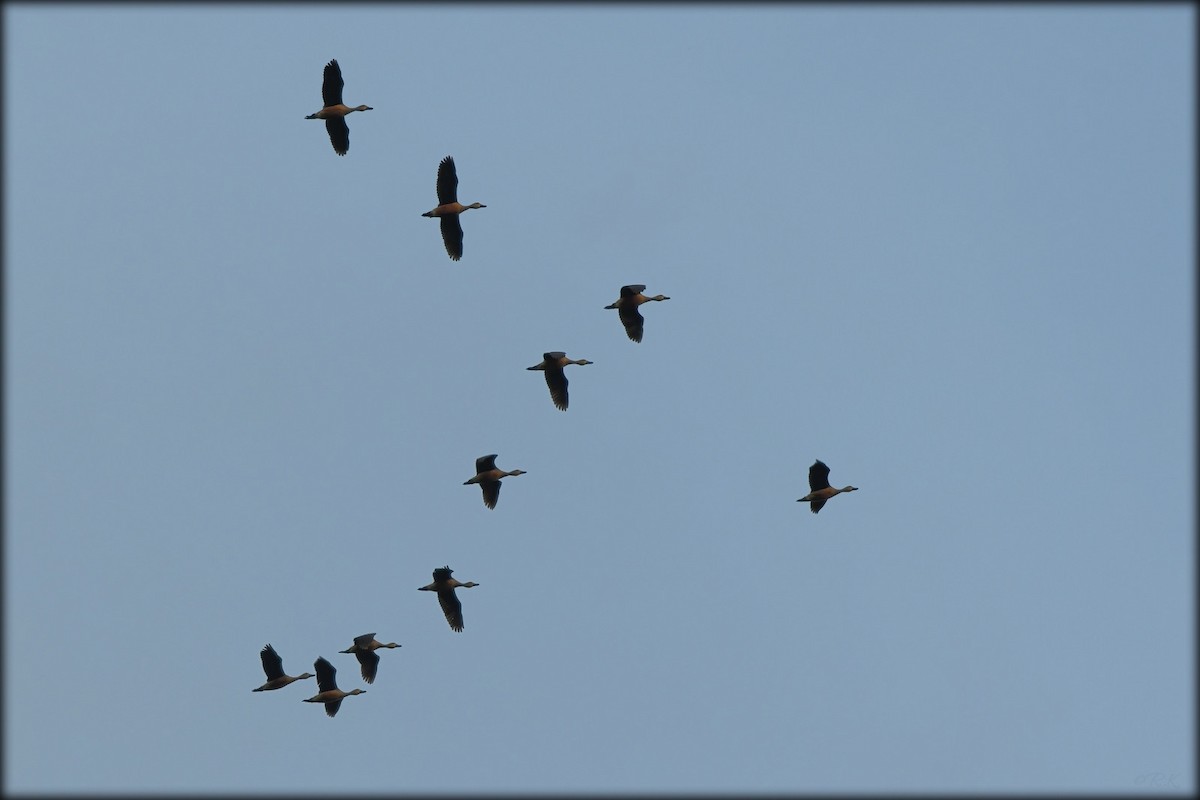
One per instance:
[(448, 208), (818, 481), (444, 585), (335, 111), (488, 478), (330, 694), (364, 648), (627, 309), (552, 364), (273, 665)]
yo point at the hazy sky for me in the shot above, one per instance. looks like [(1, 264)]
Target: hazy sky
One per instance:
[(947, 250)]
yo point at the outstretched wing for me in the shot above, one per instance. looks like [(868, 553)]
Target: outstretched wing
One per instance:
[(326, 675), (818, 477), (447, 182), (369, 662), (339, 134), (331, 89), (452, 608), (556, 379), (491, 492), (272, 663), (452, 235), (633, 321)]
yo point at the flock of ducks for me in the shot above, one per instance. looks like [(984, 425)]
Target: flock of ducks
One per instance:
[(365, 646), (487, 474)]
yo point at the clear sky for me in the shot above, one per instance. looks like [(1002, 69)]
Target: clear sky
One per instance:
[(946, 250)]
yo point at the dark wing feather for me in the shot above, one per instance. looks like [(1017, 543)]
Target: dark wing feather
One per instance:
[(326, 675), (339, 134), (272, 663), (632, 289), (633, 321), (442, 574), (817, 505), (331, 88), (364, 640), (818, 478), (556, 379), (369, 660), (452, 235), (332, 706), (452, 608), (447, 182), (491, 492), (485, 463)]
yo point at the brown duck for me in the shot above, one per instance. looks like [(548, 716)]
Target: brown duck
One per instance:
[(334, 112), (329, 693), (444, 585), (448, 208), (364, 648), (272, 664), (488, 478), (627, 309), (552, 364), (818, 482)]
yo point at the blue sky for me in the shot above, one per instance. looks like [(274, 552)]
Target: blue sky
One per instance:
[(947, 250)]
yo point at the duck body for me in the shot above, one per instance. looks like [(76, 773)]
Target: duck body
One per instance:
[(272, 664), (340, 110), (334, 111), (821, 492), (329, 693), (445, 585), (448, 208), (627, 309), (488, 477), (552, 365), (364, 648)]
